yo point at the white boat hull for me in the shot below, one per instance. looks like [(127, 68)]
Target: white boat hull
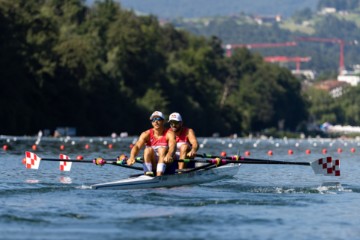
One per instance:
[(196, 177)]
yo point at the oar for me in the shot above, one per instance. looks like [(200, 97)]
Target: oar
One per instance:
[(240, 159), (33, 161), (221, 161), (97, 161), (324, 166)]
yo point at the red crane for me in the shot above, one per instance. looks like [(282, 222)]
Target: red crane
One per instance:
[(297, 60), (330, 40), (229, 47)]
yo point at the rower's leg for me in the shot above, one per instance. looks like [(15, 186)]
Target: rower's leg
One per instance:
[(161, 166), (149, 160), (184, 149)]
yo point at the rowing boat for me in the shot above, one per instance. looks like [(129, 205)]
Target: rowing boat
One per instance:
[(212, 169), (194, 177)]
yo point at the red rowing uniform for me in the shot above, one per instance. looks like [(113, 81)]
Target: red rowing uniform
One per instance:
[(182, 139), (154, 142)]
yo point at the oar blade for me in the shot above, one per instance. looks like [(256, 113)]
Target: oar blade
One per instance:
[(65, 165), (32, 161), (326, 166)]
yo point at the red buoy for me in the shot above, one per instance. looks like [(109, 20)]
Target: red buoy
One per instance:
[(79, 157), (270, 153), (6, 147), (339, 150), (34, 147), (62, 147), (223, 154), (247, 153), (352, 150), (87, 146), (290, 151), (324, 151), (308, 151)]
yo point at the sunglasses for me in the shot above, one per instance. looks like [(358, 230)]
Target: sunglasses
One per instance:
[(174, 123), (157, 119)]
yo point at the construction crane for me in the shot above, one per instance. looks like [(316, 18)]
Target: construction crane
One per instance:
[(330, 40), (297, 60), (229, 47)]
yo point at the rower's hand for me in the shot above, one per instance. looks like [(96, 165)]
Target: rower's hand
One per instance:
[(130, 161), (168, 159), (191, 154), (122, 159)]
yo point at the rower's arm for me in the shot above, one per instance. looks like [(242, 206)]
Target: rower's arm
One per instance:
[(172, 143), (137, 147), (193, 141)]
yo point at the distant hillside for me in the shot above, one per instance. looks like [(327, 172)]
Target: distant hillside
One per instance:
[(208, 8)]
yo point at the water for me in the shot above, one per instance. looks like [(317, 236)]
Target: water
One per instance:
[(260, 202)]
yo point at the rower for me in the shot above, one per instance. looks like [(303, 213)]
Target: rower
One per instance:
[(159, 145), (186, 142)]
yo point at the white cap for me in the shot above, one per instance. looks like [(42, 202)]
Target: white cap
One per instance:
[(175, 117), (158, 114)]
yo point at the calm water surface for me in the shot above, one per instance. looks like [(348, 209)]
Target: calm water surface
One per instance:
[(260, 202)]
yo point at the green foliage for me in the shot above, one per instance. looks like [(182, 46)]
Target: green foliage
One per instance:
[(324, 56), (323, 107), (350, 103), (302, 15), (104, 69), (153, 99)]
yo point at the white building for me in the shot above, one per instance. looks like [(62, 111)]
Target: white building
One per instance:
[(333, 87), (352, 79)]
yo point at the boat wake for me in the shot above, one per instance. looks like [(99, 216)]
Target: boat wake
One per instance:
[(83, 187), (324, 188)]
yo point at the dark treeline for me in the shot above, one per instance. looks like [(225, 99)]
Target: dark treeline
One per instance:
[(102, 69)]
